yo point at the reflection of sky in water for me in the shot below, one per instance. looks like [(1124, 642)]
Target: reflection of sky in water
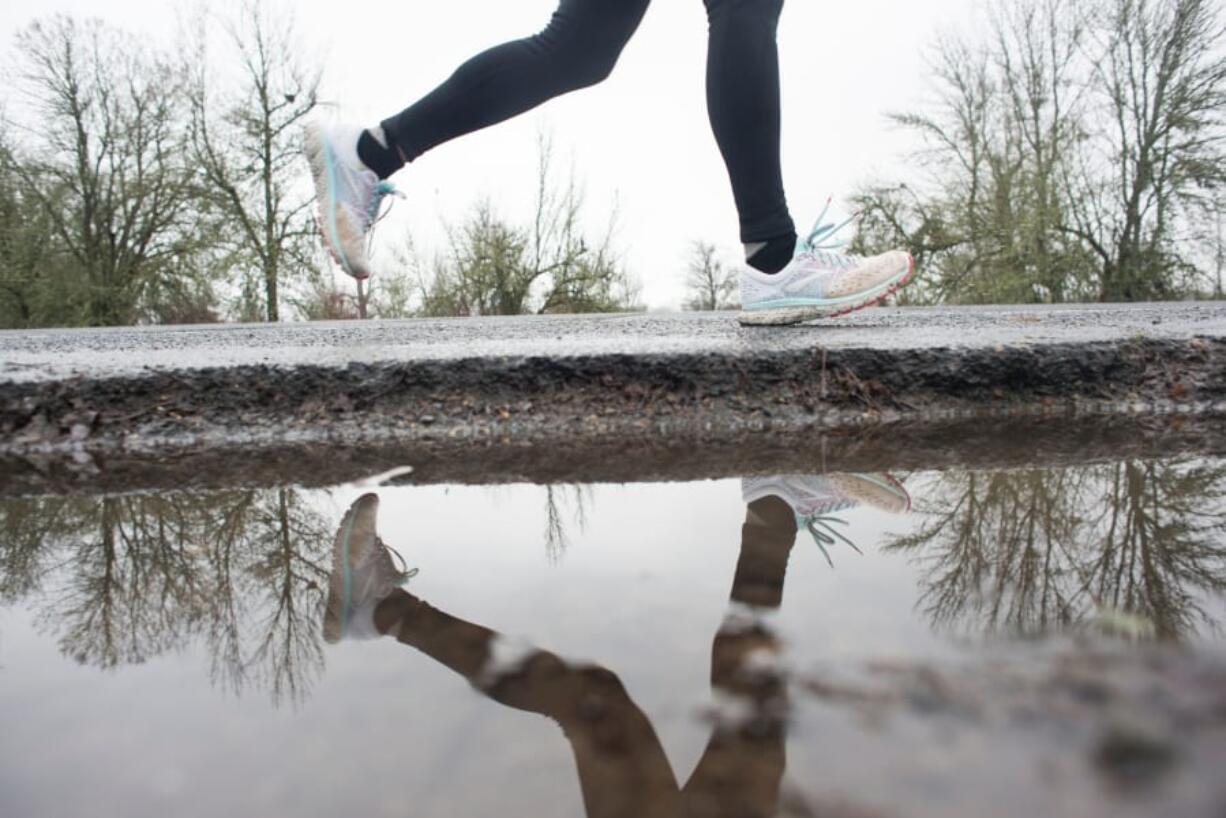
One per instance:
[(641, 587)]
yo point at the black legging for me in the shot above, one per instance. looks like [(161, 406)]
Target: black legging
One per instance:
[(579, 48)]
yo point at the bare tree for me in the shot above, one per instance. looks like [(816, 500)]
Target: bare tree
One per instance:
[(711, 284), (393, 293), (31, 529), (557, 538), (1074, 151), (123, 579), (1163, 74), (1219, 249), (1035, 551), (323, 300), (290, 542), (246, 140), (102, 158), (487, 270), (29, 254), (549, 266), (982, 223)]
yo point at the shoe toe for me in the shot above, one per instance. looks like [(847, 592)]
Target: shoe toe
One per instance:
[(872, 273), (881, 491)]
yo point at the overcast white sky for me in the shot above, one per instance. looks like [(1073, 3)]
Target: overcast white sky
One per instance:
[(641, 138)]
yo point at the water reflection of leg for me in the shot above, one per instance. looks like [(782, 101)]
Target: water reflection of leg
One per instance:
[(622, 768), (741, 770)]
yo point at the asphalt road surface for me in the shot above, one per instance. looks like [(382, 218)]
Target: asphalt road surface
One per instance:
[(42, 355)]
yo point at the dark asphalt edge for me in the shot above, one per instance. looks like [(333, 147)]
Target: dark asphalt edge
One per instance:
[(848, 381), (1050, 440), (579, 403)]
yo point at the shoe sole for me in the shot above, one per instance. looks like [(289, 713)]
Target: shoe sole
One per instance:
[(323, 171), (800, 313)]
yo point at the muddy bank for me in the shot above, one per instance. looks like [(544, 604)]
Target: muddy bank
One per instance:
[(679, 453), (538, 397)]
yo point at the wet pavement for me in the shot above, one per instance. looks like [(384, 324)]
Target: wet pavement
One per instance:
[(1019, 640), (42, 355)]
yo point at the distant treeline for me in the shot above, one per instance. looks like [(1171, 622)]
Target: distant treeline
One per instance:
[(1073, 151)]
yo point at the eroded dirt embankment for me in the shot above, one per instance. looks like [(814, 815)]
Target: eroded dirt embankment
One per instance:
[(546, 419), (539, 393)]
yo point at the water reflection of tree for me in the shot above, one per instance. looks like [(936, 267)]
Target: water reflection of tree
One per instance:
[(270, 568), (25, 527), (1033, 551), (557, 538), (121, 580)]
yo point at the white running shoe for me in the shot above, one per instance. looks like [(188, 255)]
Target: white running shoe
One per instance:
[(817, 498), (820, 282), (348, 195), (363, 574)]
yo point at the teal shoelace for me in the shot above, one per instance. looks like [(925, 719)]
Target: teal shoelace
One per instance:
[(375, 212), (822, 237), (822, 528), (403, 572)]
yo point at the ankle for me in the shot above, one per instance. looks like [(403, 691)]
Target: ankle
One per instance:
[(394, 609), (771, 255), (377, 154)]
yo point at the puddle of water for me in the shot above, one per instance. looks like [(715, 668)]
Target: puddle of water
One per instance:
[(837, 644)]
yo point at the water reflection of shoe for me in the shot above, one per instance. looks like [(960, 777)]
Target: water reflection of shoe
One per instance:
[(363, 573), (817, 498)]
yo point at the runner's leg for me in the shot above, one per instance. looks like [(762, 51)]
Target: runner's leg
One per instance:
[(744, 107), (742, 767), (623, 771), (578, 48)]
